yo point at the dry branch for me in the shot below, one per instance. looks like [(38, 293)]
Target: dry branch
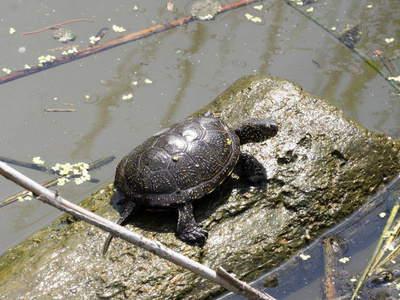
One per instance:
[(93, 49), (220, 277), (56, 26)]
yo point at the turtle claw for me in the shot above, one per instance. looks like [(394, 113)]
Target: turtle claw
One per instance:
[(188, 230), (193, 235)]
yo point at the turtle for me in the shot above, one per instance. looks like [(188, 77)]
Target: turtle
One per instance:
[(184, 163)]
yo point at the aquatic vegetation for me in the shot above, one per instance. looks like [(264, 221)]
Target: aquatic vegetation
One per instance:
[(252, 18), (26, 198), (93, 40), (389, 40), (64, 35), (37, 160), (205, 10), (67, 170), (7, 71), (397, 78), (304, 256), (127, 97), (344, 260), (46, 59), (118, 29), (70, 51)]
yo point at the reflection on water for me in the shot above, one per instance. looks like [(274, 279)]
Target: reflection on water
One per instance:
[(301, 278), (188, 66)]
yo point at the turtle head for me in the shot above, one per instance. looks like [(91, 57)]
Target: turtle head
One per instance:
[(256, 130)]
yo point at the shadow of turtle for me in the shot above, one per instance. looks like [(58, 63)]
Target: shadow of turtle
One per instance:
[(164, 220)]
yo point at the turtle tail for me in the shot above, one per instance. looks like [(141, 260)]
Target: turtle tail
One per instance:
[(129, 209)]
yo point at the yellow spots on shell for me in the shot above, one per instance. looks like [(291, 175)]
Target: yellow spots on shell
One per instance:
[(229, 141), (175, 158)]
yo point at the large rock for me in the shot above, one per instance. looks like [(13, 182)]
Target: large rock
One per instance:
[(321, 166)]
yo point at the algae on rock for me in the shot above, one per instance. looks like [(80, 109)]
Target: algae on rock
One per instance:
[(321, 166)]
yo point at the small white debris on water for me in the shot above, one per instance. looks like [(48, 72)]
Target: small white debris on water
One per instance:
[(7, 71), (37, 160), (118, 29), (304, 256), (127, 97), (344, 260)]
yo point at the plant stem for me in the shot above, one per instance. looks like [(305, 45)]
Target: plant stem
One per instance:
[(56, 26)]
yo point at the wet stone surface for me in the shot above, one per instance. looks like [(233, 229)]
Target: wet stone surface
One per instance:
[(321, 166)]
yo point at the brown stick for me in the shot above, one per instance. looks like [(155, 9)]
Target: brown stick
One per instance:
[(93, 49), (59, 110), (385, 62), (237, 4), (220, 277), (56, 26)]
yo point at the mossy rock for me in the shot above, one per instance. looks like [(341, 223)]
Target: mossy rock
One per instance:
[(321, 166)]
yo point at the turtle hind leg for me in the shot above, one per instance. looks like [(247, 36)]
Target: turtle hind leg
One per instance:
[(130, 209), (188, 230), (250, 170)]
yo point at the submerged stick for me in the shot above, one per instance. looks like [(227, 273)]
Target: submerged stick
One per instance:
[(56, 26), (226, 280), (59, 110), (93, 49), (94, 165)]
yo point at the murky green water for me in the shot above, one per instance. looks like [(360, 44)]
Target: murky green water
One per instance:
[(170, 75)]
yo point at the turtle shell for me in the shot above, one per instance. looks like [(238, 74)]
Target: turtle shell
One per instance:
[(179, 164)]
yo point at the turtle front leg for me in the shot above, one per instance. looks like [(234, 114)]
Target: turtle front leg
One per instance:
[(250, 170), (188, 230)]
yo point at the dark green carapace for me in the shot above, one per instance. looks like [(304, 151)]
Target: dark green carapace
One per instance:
[(186, 162)]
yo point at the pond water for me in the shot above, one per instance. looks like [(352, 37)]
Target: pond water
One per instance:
[(170, 76), (302, 276)]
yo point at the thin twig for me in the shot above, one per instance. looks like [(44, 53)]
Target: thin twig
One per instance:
[(377, 254), (93, 49), (56, 26), (385, 62), (226, 280), (59, 110)]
